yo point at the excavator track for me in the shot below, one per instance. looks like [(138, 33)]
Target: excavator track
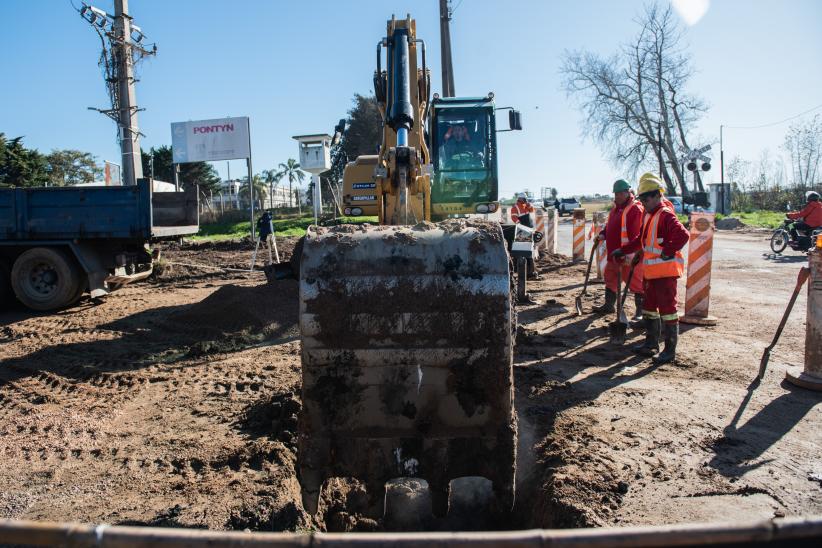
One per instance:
[(407, 358)]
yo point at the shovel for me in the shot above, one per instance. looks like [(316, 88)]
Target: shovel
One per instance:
[(618, 328), (804, 273), (622, 317), (578, 300)]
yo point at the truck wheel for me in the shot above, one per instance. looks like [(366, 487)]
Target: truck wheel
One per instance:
[(44, 278)]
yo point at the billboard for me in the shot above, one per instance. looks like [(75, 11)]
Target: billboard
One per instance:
[(210, 140), (111, 174)]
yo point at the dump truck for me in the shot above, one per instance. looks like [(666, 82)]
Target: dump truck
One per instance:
[(407, 327), (58, 242)]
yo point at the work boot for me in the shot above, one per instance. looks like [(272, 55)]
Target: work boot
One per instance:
[(608, 306), (651, 345), (671, 334)]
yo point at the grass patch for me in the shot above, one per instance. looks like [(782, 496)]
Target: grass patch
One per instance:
[(294, 226), (760, 218)]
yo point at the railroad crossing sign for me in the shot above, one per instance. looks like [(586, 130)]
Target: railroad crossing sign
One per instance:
[(696, 154), (692, 155)]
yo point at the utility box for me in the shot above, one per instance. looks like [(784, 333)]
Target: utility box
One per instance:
[(715, 192), (315, 152)]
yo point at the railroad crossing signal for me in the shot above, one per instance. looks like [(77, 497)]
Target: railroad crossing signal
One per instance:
[(692, 155)]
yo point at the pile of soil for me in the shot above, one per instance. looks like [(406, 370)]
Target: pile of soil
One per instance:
[(729, 223)]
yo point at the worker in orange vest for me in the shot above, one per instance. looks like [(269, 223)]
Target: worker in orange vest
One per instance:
[(621, 237), (522, 211), (663, 237)]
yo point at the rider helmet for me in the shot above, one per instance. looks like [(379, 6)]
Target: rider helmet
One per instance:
[(812, 196)]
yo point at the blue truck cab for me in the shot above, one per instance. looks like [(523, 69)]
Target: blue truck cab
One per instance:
[(57, 243)]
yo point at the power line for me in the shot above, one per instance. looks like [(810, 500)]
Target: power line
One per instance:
[(776, 123), (452, 10)]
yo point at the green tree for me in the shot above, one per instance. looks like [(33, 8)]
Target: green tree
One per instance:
[(20, 166), (260, 191), (272, 178), (199, 173), (70, 167), (291, 170), (363, 134)]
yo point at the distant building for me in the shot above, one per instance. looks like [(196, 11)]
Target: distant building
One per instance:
[(231, 196)]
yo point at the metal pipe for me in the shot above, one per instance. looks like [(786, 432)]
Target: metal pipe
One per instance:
[(779, 530), (402, 137)]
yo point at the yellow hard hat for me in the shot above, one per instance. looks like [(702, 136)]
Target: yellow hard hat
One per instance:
[(648, 183)]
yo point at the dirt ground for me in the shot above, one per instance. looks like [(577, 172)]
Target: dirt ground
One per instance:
[(174, 402)]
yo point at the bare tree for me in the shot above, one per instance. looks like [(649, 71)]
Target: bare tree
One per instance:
[(804, 145), (634, 102)]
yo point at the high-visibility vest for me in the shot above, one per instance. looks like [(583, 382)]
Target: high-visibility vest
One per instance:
[(623, 227), (654, 266), (517, 210)]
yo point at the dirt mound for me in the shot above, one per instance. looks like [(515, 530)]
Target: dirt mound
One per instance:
[(271, 309), (729, 223)]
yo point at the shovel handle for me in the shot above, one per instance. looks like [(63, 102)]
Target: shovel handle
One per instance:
[(588, 270), (628, 283), (801, 278)]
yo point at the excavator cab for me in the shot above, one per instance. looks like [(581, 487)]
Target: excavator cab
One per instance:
[(463, 147)]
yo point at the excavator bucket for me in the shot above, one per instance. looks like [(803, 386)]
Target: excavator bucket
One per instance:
[(407, 358)]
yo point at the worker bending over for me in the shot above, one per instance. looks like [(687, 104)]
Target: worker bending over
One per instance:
[(621, 235), (663, 236), (522, 212)]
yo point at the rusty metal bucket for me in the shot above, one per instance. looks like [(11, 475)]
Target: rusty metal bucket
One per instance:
[(406, 358)]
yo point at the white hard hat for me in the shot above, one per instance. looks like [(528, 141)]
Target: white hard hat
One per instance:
[(522, 196)]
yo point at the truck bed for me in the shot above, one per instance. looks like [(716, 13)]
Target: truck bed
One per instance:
[(115, 212)]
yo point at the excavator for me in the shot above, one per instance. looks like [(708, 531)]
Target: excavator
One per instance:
[(407, 326)]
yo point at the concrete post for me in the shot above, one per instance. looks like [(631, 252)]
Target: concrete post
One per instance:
[(811, 376), (127, 114), (578, 248), (551, 225)]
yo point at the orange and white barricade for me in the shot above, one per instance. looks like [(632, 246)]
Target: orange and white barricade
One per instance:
[(551, 223), (578, 248), (600, 218), (539, 225), (698, 285)]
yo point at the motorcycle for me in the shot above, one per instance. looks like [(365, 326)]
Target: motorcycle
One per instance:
[(781, 238)]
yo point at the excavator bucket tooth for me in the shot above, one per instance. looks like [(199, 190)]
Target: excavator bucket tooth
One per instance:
[(407, 355)]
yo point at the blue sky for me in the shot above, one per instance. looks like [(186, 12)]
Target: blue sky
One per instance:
[(293, 67)]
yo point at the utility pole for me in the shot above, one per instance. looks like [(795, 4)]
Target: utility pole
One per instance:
[(122, 40), (721, 173), (445, 50), (129, 134)]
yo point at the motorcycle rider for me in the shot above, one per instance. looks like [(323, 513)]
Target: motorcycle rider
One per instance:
[(809, 218)]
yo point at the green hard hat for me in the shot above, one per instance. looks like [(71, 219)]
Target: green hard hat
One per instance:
[(621, 186)]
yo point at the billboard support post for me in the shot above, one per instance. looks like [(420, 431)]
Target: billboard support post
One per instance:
[(251, 194)]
